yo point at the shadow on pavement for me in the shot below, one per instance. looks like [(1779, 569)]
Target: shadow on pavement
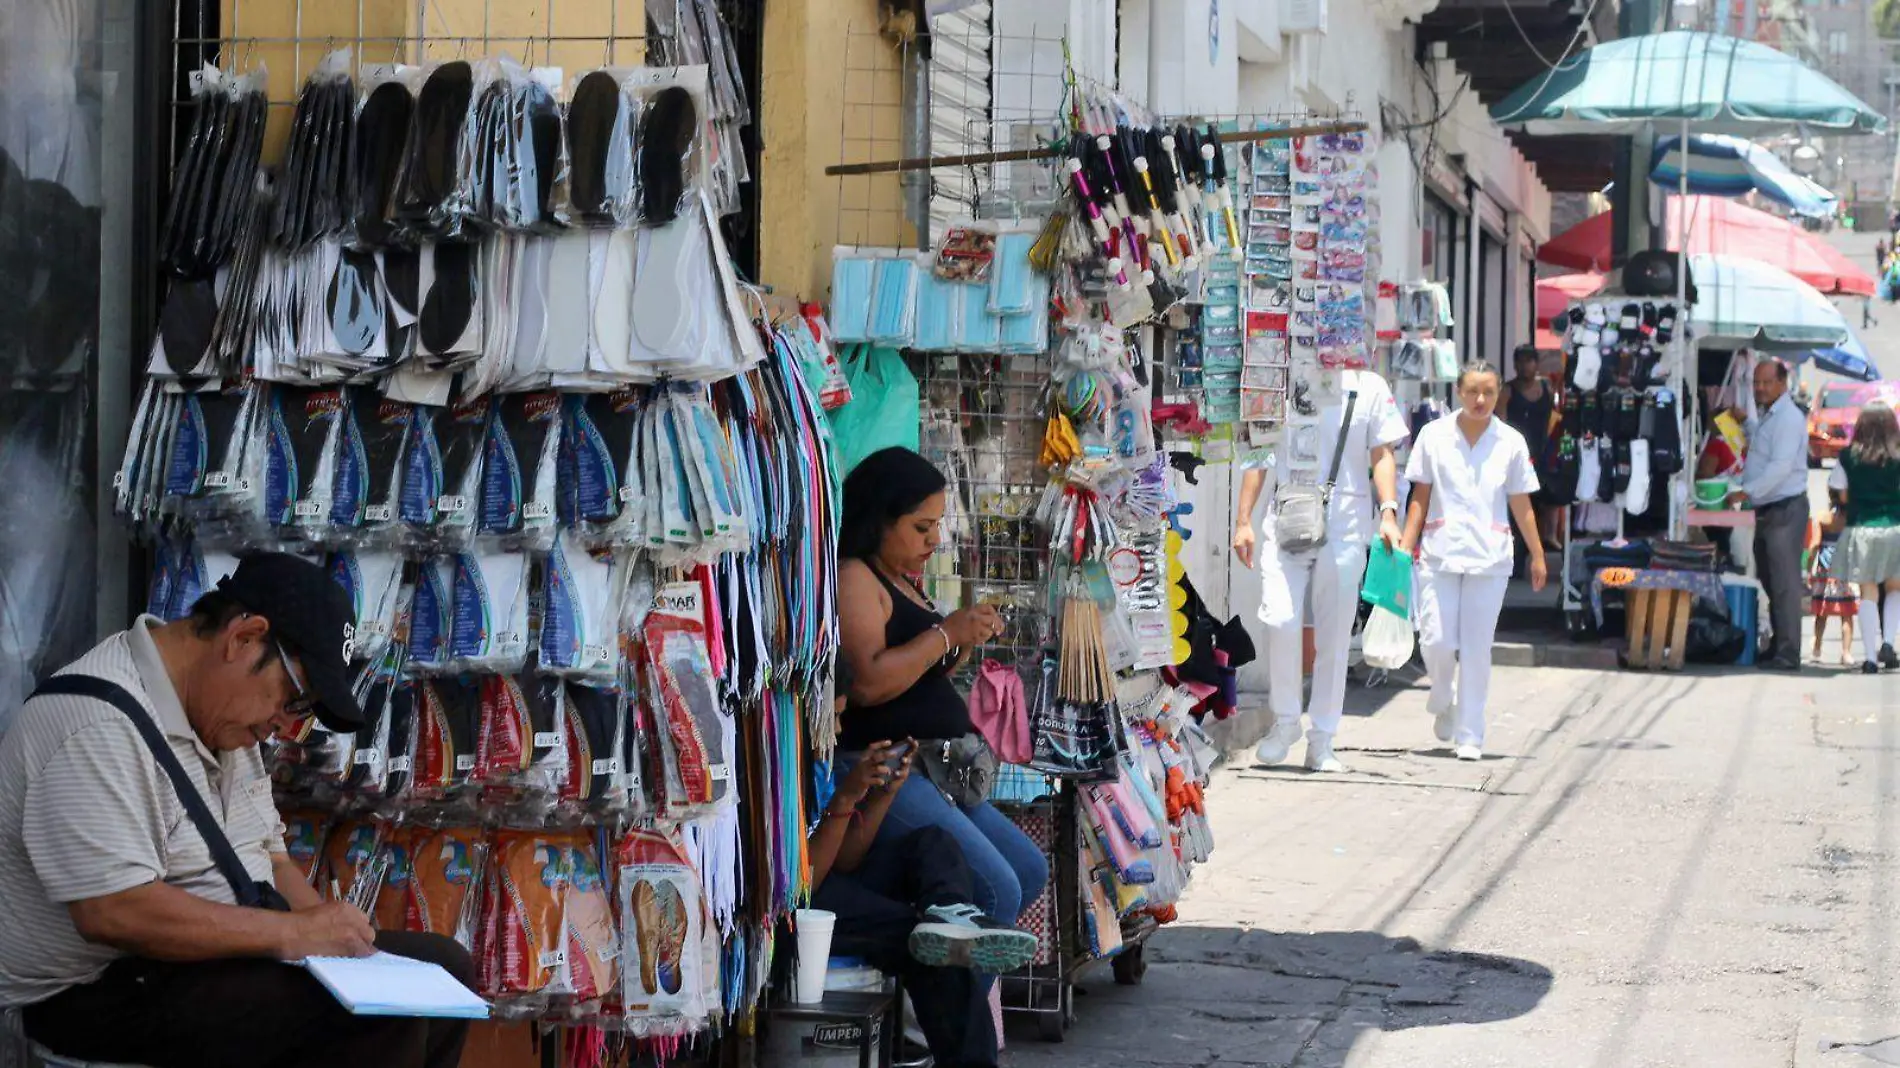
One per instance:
[(1265, 999)]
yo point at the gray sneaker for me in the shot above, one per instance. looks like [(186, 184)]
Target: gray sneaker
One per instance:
[(962, 936)]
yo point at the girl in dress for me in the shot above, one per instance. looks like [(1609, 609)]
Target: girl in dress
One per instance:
[(1833, 599)]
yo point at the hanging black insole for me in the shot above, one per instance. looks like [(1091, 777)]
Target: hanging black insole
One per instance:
[(237, 181), (591, 119), (355, 302), (544, 132), (450, 303), (402, 737), (593, 726), (382, 131), (311, 204), (191, 311), (490, 165), (435, 145), (383, 426), (666, 133), (401, 280)]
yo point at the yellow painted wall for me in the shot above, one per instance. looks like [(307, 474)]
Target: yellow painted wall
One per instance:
[(832, 94)]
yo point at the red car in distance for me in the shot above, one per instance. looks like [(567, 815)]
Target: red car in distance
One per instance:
[(1831, 423)]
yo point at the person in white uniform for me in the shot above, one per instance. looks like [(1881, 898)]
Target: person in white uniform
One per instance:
[(1467, 470), (1368, 476)]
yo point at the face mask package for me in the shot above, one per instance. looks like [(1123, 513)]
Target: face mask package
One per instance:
[(852, 274)]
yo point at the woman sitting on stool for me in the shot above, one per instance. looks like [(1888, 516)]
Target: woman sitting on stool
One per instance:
[(904, 905)]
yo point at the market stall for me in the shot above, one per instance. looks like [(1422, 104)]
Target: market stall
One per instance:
[(475, 342)]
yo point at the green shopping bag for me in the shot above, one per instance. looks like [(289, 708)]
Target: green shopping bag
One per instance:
[(1388, 582), (883, 410)]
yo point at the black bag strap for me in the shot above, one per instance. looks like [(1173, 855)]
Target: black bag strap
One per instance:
[(226, 858), (1339, 444)]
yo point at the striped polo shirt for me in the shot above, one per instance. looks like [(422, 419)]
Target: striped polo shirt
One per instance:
[(85, 811)]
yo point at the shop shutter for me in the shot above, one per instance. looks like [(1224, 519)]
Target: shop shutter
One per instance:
[(960, 107)]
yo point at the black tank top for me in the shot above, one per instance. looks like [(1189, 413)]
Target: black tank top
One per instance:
[(931, 708)]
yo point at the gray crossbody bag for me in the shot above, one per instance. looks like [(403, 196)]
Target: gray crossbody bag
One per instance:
[(1299, 508)]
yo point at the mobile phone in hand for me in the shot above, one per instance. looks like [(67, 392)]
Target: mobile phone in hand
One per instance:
[(894, 756)]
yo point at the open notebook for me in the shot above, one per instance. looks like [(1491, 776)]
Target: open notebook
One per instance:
[(384, 984)]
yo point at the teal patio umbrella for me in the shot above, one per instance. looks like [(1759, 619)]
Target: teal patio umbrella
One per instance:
[(1717, 84), (1746, 303)]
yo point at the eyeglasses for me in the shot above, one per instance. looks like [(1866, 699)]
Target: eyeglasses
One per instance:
[(302, 701)]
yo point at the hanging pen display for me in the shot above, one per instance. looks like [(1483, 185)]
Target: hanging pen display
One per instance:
[(1168, 182), (1217, 160), (1126, 142), (1096, 221), (1103, 147)]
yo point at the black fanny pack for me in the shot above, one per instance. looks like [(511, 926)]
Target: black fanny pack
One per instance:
[(250, 893)]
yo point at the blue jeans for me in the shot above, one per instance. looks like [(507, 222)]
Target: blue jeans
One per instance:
[(1007, 870)]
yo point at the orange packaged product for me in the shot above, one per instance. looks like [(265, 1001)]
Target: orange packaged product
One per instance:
[(549, 925), (440, 893)]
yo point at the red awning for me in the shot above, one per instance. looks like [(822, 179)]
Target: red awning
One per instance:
[(1728, 227)]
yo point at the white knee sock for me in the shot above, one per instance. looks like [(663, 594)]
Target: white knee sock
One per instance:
[(1892, 630), (1869, 617)]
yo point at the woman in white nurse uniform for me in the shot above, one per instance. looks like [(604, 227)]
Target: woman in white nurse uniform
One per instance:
[(1368, 476), (1467, 470)]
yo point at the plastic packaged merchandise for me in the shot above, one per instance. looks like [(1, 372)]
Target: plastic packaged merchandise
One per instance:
[(212, 183)]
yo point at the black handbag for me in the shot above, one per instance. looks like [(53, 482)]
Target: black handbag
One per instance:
[(964, 769)]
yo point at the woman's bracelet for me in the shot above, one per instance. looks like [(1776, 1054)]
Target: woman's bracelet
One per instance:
[(945, 635), (830, 815)]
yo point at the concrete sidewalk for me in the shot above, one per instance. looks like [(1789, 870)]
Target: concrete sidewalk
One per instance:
[(1670, 870)]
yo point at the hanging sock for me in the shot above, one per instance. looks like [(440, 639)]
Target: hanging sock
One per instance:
[(1636, 497), (1869, 615)]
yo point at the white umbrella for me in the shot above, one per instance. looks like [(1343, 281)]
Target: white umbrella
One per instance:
[(1746, 303)]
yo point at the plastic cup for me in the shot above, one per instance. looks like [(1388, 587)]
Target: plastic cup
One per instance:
[(814, 954)]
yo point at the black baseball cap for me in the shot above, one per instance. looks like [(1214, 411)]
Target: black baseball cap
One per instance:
[(314, 619)]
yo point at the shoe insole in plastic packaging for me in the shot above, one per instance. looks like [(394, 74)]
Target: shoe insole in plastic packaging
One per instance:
[(522, 743), (432, 614), (461, 432), (355, 305), (433, 172), (399, 872), (421, 470), (190, 452), (448, 306), (185, 326), (543, 155), (349, 855), (601, 152), (594, 723), (369, 770), (526, 925), (401, 270), (528, 354), (491, 170), (519, 468), (569, 311), (662, 928), (301, 439), (491, 611), (401, 739), (383, 428), (667, 124), (672, 294), (373, 583), (594, 437), (445, 867), (382, 133), (612, 263), (446, 723), (591, 944), (581, 618), (304, 837)]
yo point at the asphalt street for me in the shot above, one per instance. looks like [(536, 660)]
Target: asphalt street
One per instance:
[(1671, 870)]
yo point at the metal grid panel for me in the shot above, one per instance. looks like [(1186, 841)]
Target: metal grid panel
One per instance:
[(1028, 83), (290, 37)]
